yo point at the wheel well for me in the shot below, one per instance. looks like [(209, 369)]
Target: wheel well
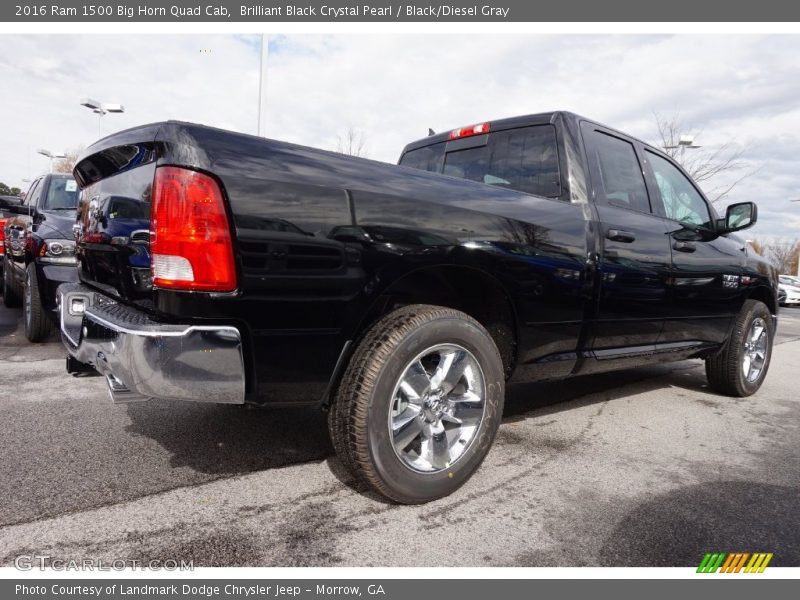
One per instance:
[(466, 289), (767, 296)]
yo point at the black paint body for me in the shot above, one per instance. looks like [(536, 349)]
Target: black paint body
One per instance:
[(26, 231), (311, 277)]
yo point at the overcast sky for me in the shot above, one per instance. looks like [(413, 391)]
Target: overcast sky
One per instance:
[(744, 89)]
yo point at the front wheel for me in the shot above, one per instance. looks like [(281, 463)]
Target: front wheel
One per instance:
[(740, 367), (419, 405), (10, 297), (38, 325)]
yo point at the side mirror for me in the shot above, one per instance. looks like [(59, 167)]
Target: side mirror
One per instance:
[(19, 209), (740, 216)]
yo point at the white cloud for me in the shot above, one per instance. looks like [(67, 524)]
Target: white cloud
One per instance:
[(393, 87)]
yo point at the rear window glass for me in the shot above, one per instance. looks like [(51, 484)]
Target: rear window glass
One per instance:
[(62, 194), (524, 159), (428, 158), (127, 208)]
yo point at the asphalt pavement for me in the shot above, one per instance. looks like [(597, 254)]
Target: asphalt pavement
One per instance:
[(635, 468)]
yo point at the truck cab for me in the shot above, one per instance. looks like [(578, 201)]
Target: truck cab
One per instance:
[(669, 274)]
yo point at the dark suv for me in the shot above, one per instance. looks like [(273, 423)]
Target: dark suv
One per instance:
[(40, 251)]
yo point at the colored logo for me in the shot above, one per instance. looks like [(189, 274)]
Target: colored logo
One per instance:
[(734, 562)]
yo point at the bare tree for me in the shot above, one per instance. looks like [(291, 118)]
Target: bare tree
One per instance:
[(703, 165), (785, 255), (759, 246), (66, 164), (353, 142)]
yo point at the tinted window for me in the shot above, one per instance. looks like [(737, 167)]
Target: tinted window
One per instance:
[(429, 158), (62, 194), (524, 159), (682, 202), (127, 208), (621, 180)]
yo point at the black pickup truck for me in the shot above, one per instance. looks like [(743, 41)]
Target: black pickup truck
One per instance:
[(39, 247), (402, 299)]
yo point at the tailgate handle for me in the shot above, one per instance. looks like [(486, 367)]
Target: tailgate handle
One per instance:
[(684, 246), (617, 235)]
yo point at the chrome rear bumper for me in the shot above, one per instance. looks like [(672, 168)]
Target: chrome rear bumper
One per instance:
[(143, 359)]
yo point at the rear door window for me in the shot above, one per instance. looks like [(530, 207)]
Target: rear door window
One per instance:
[(523, 159), (619, 172), (427, 158)]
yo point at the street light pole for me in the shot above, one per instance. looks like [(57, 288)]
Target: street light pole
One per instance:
[(684, 142), (262, 84), (50, 155), (101, 108)]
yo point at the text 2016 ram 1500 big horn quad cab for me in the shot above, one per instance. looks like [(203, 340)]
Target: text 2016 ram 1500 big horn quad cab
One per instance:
[(403, 298)]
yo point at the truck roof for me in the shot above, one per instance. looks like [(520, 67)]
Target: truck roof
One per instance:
[(520, 121)]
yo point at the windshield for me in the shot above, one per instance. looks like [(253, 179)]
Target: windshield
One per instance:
[(62, 194)]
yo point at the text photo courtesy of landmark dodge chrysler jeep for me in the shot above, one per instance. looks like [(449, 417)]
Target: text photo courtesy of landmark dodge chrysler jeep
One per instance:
[(402, 299)]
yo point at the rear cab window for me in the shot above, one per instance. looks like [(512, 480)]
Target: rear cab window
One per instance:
[(523, 159)]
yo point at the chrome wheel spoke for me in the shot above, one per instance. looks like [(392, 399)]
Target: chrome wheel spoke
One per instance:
[(756, 348), (436, 449), (467, 397), (449, 371), (406, 430), (448, 418), (415, 382), (438, 406), (470, 416)]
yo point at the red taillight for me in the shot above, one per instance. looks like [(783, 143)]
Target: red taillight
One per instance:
[(478, 129), (191, 247), (2, 236)]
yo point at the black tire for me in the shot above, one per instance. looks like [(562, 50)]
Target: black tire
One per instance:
[(726, 370), (361, 414), (38, 324), (11, 298)]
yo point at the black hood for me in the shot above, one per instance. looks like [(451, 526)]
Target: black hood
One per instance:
[(57, 224)]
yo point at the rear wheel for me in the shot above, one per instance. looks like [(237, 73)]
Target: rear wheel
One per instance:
[(11, 298), (38, 325), (740, 367), (419, 405)]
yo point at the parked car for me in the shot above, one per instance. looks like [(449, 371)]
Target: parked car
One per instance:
[(40, 251), (7, 206), (553, 246), (789, 280), (791, 288), (781, 296)]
